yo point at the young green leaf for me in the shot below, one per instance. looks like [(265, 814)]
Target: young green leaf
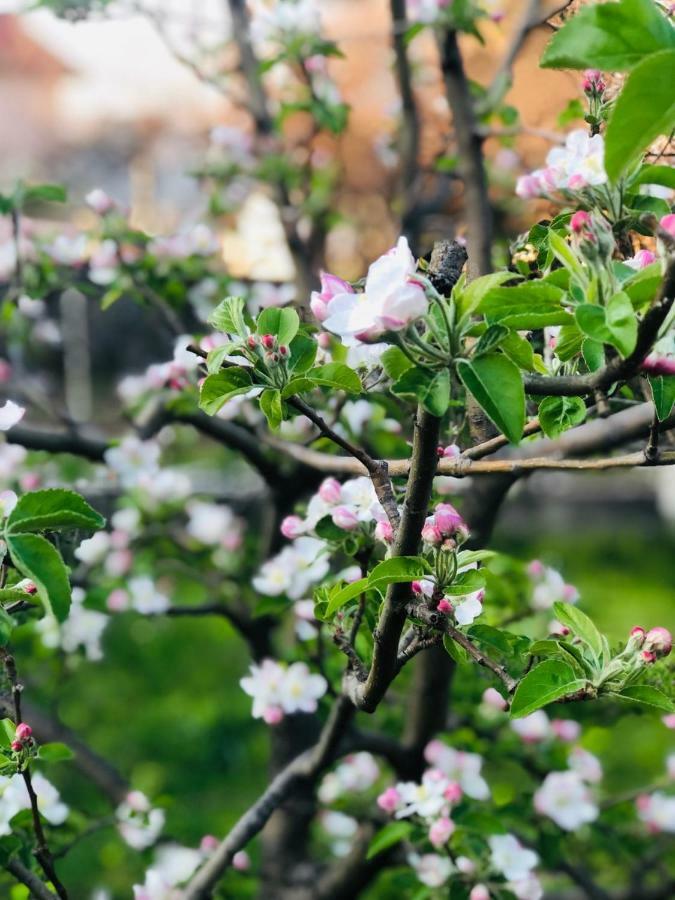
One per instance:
[(228, 316), (622, 323), (55, 752), (455, 651), (549, 681), (337, 375), (282, 322), (525, 306), (392, 833), (398, 569), (38, 560), (220, 387), (644, 109), (496, 384), (466, 583), (557, 414), (53, 509), (345, 594), (395, 362), (272, 407), (430, 388), (580, 625), (663, 394), (648, 696), (609, 36)]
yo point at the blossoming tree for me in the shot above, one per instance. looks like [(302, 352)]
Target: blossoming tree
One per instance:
[(363, 587)]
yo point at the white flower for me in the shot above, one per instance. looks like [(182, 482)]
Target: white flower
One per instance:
[(94, 549), (550, 587), (155, 887), (390, 301), (464, 768), (210, 523), (165, 486), (127, 520), (132, 458), (176, 863), (67, 250), (291, 572), (14, 797), (526, 888), (431, 869), (565, 798), (357, 772), (577, 165), (8, 501), (103, 263), (532, 728), (139, 824), (469, 608), (283, 19), (426, 799), (657, 811), (425, 11), (510, 858), (277, 689), (11, 457), (145, 598), (10, 414), (340, 827), (587, 766)]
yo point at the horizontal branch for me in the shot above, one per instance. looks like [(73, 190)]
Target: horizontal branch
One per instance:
[(29, 879)]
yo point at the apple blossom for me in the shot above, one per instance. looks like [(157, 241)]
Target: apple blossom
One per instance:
[(479, 892), (657, 811), (145, 596), (440, 831), (533, 728), (341, 828), (14, 798), (10, 415), (565, 798), (658, 641), (658, 365), (585, 764), (469, 608), (99, 201), (294, 569), (356, 773), (510, 858), (667, 222), (528, 888), (23, 731), (641, 260), (390, 302), (389, 800), (345, 518), (8, 500), (566, 729), (83, 628), (431, 869), (282, 690), (459, 766), (426, 799), (138, 822), (492, 697), (331, 286), (577, 165), (330, 491), (210, 523)]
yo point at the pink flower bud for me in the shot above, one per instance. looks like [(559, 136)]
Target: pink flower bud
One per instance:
[(659, 641), (535, 569), (566, 729), (444, 606), (23, 731), (118, 600), (669, 720), (283, 350), (252, 342), (330, 491), (30, 481), (241, 861), (268, 341), (384, 532), (345, 517), (492, 697), (17, 746), (593, 83), (453, 792), (440, 450), (643, 802), (668, 223), (432, 535), (580, 221), (528, 186), (389, 800), (319, 306), (29, 586), (273, 715), (638, 635), (479, 892), (416, 587), (440, 831), (658, 365), (648, 656), (447, 519), (323, 339), (208, 843), (642, 259), (452, 451), (465, 865), (291, 527)]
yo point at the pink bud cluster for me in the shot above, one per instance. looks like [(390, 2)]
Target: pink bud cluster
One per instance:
[(653, 644), (593, 83), (445, 528), (23, 738)]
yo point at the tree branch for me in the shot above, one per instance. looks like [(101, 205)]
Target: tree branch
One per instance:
[(24, 875)]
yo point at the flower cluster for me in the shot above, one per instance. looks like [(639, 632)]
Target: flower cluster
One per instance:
[(356, 773), (139, 823), (565, 797), (351, 506), (294, 570), (549, 587), (14, 797), (280, 690), (579, 164)]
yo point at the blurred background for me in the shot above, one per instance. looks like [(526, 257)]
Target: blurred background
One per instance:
[(130, 101)]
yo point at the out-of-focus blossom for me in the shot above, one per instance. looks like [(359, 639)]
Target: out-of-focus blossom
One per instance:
[(533, 728), (459, 766), (510, 858), (431, 868), (133, 458), (82, 629), (278, 690), (293, 570), (577, 165), (657, 811), (10, 415), (356, 773), (565, 798), (145, 597), (138, 822)]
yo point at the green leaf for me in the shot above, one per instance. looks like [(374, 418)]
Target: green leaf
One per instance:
[(430, 388), (519, 350), (38, 560), (622, 323), (466, 583), (557, 414), (581, 626), (55, 752), (642, 286), (6, 625), (549, 681), (396, 570), (563, 252), (282, 322), (496, 384), (228, 316), (303, 353), (525, 306), (395, 362), (220, 387), (644, 109), (609, 36), (45, 193), (593, 353), (490, 339), (392, 833), (52, 510), (504, 642), (568, 342), (467, 557), (664, 175), (337, 375), (455, 651), (345, 594), (647, 695), (469, 299), (272, 407), (663, 394)]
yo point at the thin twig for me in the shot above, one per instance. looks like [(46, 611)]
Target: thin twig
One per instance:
[(38, 888)]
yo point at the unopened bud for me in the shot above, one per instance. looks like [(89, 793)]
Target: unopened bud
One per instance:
[(389, 800), (252, 341), (384, 532), (637, 636), (444, 606), (479, 892), (345, 518), (432, 535), (17, 746), (23, 731), (648, 656), (659, 641), (440, 831), (283, 350), (268, 341), (580, 221), (292, 527), (330, 490), (453, 792)]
